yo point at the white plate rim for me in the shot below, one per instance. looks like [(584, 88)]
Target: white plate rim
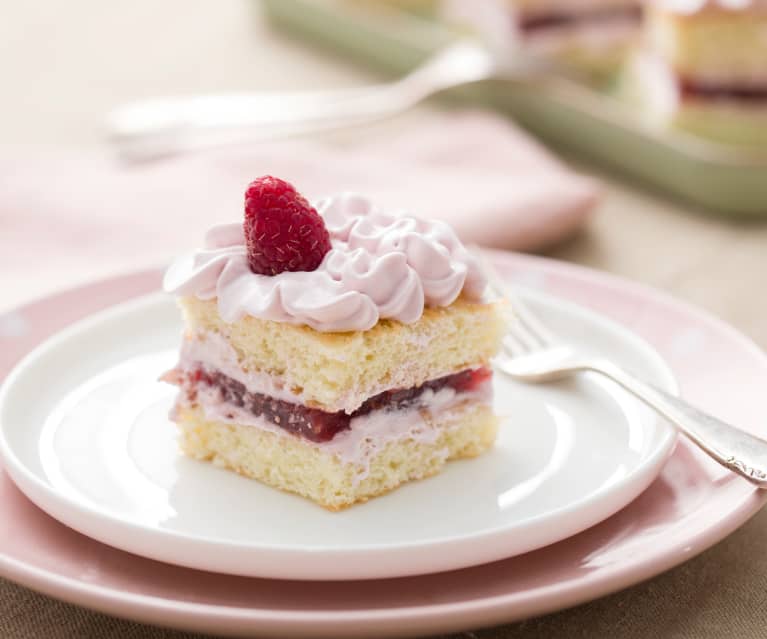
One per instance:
[(85, 518)]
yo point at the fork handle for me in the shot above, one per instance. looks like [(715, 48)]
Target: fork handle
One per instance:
[(266, 109), (154, 128), (733, 448)]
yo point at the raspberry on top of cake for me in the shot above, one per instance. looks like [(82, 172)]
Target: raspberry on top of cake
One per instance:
[(332, 350)]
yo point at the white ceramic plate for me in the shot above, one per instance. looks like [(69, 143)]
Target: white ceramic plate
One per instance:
[(84, 433)]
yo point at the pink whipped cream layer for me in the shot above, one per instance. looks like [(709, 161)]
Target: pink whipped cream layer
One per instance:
[(213, 350), (381, 265), (367, 434)]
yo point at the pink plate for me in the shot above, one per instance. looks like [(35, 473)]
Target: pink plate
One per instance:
[(693, 503)]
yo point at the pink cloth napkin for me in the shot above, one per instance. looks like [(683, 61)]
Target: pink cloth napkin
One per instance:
[(67, 218)]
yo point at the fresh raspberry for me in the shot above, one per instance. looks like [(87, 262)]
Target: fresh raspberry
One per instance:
[(283, 231)]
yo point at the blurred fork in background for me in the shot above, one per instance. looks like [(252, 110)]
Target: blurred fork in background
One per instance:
[(153, 128)]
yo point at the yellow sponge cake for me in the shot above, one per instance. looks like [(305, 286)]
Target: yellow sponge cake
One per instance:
[(332, 350)]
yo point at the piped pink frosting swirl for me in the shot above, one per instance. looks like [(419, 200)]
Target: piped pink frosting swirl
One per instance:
[(381, 265)]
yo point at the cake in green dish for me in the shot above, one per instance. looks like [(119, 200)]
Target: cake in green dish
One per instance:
[(702, 68), (590, 37)]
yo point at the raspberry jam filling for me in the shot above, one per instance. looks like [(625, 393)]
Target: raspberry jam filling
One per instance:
[(690, 89), (315, 424), (539, 22)]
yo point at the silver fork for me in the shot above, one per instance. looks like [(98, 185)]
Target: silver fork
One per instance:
[(152, 128), (532, 353)]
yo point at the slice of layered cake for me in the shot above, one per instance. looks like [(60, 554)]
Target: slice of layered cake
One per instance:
[(334, 351), (592, 37), (703, 68)]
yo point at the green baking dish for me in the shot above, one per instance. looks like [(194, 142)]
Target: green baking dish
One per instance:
[(586, 122)]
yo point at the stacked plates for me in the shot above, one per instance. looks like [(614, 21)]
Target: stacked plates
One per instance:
[(584, 493)]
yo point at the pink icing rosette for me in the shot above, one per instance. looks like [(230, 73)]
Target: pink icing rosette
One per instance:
[(381, 265)]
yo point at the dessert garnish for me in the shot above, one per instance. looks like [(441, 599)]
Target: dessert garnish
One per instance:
[(283, 232)]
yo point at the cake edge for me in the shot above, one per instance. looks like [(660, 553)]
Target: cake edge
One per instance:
[(275, 460)]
